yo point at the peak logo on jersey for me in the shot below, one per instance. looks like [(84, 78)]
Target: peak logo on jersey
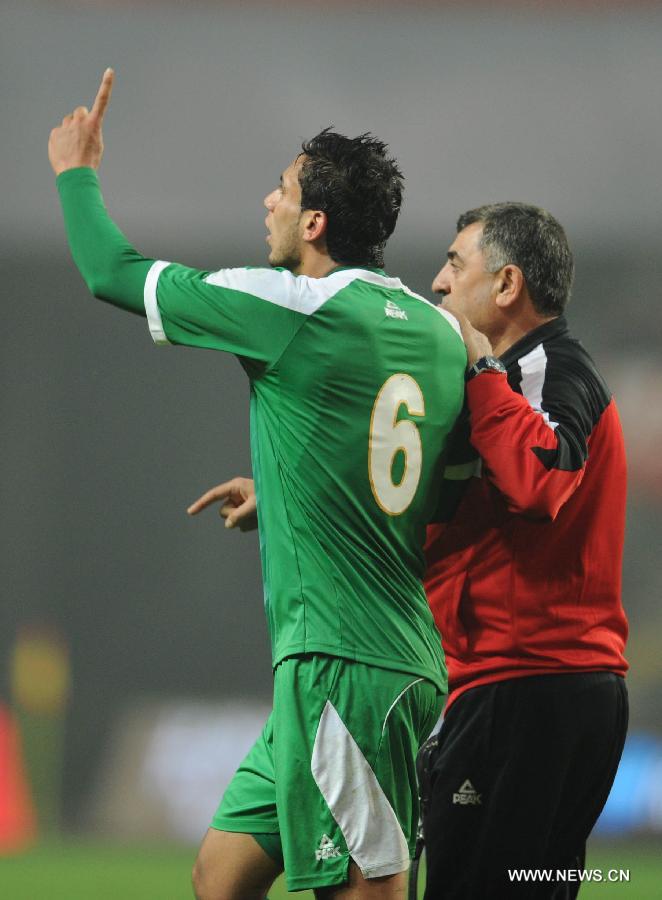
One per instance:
[(393, 310), (467, 795), (327, 849)]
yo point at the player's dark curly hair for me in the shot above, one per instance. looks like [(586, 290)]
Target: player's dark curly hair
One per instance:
[(359, 187), (531, 239)]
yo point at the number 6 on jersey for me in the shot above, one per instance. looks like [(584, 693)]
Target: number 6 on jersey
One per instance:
[(388, 436)]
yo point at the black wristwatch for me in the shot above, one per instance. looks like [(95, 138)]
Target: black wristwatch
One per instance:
[(486, 364)]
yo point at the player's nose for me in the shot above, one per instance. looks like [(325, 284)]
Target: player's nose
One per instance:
[(270, 200)]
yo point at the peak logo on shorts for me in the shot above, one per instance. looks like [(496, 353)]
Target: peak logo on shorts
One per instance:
[(393, 310), (467, 795), (327, 849)]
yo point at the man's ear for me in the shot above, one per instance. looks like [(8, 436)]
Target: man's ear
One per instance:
[(511, 286), (314, 224)]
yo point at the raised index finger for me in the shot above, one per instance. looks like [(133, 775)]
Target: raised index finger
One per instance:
[(103, 94)]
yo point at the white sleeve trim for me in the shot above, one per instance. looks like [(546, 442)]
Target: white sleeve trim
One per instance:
[(151, 305), (533, 367), (452, 321)]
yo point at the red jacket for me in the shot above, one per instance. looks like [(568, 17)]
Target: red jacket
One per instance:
[(525, 579)]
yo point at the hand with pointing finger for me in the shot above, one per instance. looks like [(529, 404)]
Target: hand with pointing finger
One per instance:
[(238, 503), (78, 141)]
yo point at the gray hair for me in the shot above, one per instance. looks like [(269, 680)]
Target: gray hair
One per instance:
[(531, 239)]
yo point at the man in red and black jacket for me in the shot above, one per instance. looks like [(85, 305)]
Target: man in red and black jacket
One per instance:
[(524, 576)]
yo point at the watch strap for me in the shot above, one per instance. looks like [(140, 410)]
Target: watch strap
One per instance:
[(486, 364)]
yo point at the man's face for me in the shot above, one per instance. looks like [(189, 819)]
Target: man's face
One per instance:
[(284, 219), (465, 279)]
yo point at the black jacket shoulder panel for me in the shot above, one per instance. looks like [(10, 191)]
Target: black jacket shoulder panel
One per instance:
[(561, 382)]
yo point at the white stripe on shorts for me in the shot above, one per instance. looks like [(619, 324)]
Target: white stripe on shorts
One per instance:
[(350, 788)]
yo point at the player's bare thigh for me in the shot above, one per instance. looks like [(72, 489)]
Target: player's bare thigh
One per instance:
[(232, 866), (391, 887)]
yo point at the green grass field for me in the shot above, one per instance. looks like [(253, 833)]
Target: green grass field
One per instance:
[(77, 870)]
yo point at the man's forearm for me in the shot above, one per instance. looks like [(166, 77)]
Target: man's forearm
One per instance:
[(112, 269)]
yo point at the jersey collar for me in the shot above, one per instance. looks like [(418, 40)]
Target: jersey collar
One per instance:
[(364, 268), (546, 331)]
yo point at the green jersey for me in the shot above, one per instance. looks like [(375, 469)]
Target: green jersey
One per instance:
[(355, 384)]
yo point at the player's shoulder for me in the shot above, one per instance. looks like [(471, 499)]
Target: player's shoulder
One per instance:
[(400, 302), (277, 286), (245, 277), (446, 316), (307, 295), (303, 293)]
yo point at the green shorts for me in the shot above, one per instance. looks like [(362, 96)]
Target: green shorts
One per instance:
[(332, 777)]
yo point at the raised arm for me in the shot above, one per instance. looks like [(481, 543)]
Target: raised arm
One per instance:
[(253, 313), (112, 269)]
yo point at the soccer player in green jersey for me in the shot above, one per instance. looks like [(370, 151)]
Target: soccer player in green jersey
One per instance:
[(355, 384)]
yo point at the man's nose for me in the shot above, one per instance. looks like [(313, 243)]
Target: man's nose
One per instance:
[(270, 200), (440, 283)]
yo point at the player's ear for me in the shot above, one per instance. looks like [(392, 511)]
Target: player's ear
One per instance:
[(314, 224), (510, 285)]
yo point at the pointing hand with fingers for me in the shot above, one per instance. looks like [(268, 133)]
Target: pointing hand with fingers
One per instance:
[(78, 141), (238, 503)]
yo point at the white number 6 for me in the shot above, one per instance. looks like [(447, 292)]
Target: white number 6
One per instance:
[(388, 436)]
